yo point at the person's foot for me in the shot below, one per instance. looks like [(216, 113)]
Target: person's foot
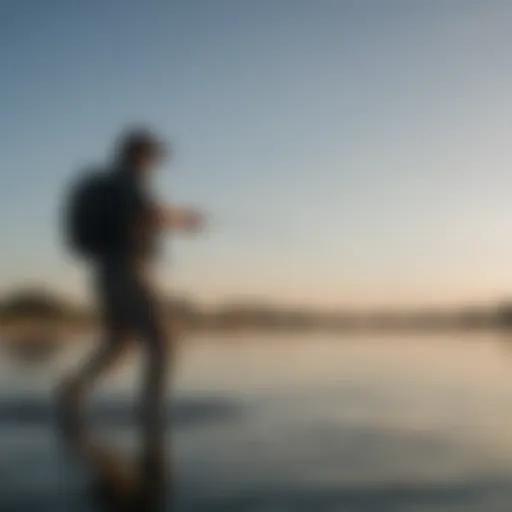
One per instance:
[(154, 483), (113, 498), (116, 483)]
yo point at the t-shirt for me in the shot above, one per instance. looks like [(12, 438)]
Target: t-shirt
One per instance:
[(133, 205)]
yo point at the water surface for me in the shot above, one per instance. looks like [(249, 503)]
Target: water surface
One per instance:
[(308, 423)]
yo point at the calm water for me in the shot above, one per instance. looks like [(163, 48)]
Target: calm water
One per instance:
[(293, 424)]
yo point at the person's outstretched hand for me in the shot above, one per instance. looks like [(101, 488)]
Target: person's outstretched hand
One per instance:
[(194, 221)]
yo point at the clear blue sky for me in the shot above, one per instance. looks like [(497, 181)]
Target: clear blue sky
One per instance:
[(351, 152)]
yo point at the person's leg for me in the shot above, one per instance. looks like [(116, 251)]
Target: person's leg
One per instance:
[(153, 406), (113, 482), (78, 384)]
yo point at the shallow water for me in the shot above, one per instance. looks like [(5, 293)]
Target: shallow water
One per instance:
[(291, 424)]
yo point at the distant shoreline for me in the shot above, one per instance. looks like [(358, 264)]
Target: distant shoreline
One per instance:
[(64, 330), (39, 313)]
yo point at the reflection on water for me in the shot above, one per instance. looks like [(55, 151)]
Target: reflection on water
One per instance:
[(294, 425)]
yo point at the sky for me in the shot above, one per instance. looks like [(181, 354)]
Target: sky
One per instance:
[(348, 153)]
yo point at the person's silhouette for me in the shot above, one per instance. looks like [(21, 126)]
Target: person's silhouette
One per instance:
[(116, 226)]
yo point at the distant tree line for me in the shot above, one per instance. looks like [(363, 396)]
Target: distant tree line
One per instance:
[(41, 305)]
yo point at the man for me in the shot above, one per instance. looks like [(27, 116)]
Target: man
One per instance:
[(127, 301)]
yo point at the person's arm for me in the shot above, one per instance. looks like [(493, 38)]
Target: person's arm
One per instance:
[(142, 210), (177, 218)]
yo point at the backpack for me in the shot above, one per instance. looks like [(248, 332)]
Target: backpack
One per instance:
[(90, 226)]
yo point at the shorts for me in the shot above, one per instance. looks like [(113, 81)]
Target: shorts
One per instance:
[(126, 299)]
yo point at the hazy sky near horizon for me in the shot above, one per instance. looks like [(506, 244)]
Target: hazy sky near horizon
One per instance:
[(350, 152)]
